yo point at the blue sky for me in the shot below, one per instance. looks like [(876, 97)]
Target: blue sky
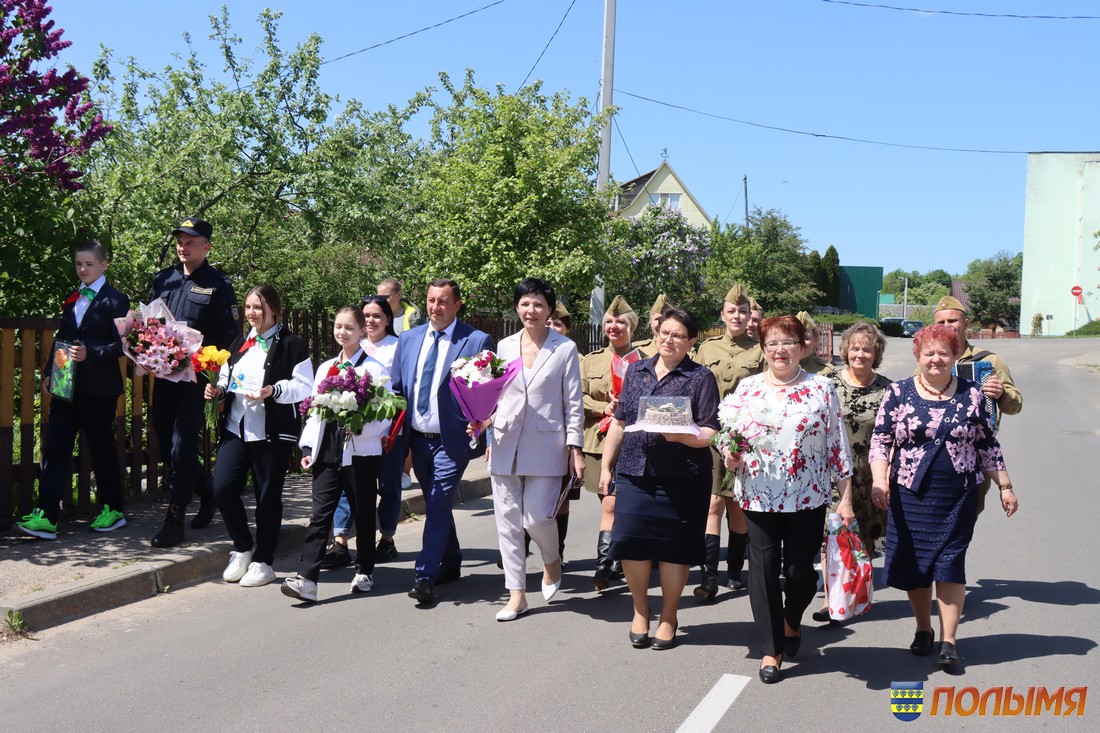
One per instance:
[(908, 78)]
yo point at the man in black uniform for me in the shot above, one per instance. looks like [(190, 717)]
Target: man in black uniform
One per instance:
[(202, 297)]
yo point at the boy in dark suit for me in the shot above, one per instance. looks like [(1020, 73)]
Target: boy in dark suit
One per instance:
[(87, 322)]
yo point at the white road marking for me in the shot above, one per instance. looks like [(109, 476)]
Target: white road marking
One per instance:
[(712, 707)]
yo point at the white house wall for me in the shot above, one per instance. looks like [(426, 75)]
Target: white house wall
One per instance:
[(1061, 215)]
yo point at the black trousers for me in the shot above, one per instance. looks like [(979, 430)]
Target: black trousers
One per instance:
[(93, 415), (799, 534), (360, 482), (178, 417), (268, 461)]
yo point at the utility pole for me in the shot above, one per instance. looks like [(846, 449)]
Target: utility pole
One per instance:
[(905, 300), (745, 181), (603, 170)]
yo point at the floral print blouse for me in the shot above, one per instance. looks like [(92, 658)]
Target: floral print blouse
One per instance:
[(915, 428), (799, 445)]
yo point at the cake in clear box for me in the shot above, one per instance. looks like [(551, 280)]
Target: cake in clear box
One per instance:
[(666, 411)]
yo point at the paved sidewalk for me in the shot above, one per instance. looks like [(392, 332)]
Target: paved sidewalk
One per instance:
[(82, 573)]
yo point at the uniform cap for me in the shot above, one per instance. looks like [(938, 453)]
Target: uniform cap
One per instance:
[(560, 311), (195, 227), (621, 309), (660, 305), (948, 303), (737, 295), (806, 320)]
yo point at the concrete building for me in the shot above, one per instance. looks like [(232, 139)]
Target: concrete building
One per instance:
[(1061, 218)]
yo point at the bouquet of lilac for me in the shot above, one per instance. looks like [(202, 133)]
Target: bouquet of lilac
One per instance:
[(352, 400)]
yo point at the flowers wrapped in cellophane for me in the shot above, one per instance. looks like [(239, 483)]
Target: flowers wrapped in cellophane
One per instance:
[(477, 382), (159, 344), (352, 401)]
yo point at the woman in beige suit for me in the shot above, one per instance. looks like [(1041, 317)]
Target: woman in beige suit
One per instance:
[(536, 439)]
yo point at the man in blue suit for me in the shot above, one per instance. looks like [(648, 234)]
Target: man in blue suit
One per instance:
[(435, 427), (88, 323)]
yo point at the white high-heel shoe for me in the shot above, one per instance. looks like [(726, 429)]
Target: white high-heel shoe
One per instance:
[(551, 590)]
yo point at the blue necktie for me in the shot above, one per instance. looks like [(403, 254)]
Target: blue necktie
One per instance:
[(424, 397)]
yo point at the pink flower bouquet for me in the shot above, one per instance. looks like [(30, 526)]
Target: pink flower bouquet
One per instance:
[(159, 344), (477, 382)]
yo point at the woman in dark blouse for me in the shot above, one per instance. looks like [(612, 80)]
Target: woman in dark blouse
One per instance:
[(662, 480)]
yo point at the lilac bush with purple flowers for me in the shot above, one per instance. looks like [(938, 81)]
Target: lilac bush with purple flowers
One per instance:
[(47, 123)]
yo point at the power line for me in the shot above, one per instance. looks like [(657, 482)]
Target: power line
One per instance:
[(552, 37), (959, 12), (735, 200), (626, 147), (819, 134), (413, 33)]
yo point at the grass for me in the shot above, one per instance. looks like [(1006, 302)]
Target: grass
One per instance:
[(15, 627)]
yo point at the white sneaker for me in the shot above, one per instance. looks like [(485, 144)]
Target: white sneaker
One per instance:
[(362, 583), (259, 573), (301, 588), (237, 567), (406, 481)]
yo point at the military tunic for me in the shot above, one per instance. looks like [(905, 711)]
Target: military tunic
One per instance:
[(596, 385), (730, 360)]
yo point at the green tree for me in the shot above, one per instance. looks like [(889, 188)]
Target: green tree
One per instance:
[(817, 274), (993, 290), (830, 270), (768, 257), (661, 253), (300, 196), (508, 190)]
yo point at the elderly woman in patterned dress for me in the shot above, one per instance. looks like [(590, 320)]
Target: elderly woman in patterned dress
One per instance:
[(799, 450), (861, 390), (932, 446)]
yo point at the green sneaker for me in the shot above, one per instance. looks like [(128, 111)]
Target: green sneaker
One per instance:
[(36, 525), (108, 520)]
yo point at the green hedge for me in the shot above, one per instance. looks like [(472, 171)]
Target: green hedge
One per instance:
[(842, 322)]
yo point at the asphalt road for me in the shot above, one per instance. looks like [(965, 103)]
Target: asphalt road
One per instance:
[(218, 657)]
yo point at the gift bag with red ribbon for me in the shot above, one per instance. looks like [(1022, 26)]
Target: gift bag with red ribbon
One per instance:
[(848, 571)]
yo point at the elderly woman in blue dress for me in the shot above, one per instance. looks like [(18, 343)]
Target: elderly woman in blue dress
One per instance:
[(932, 445)]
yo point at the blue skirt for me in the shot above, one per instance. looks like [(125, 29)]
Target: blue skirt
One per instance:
[(662, 519), (929, 530)]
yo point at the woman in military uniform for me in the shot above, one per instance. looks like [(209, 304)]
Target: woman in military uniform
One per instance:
[(619, 323), (731, 357), (811, 362), (648, 347)]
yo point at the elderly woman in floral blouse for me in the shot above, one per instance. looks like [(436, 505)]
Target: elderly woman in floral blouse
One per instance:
[(932, 445), (799, 450)]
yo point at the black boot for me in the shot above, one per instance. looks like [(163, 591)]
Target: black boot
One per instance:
[(171, 534), (562, 521), (602, 578), (708, 589), (207, 505), (735, 559)]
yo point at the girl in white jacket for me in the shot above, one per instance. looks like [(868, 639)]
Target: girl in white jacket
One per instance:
[(340, 462)]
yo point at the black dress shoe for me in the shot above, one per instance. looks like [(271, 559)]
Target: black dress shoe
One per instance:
[(791, 645), (770, 674), (707, 589), (448, 575), (922, 643), (823, 617), (639, 641), (662, 644), (949, 656), (422, 591)]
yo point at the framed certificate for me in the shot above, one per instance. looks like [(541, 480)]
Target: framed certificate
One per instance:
[(63, 372)]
